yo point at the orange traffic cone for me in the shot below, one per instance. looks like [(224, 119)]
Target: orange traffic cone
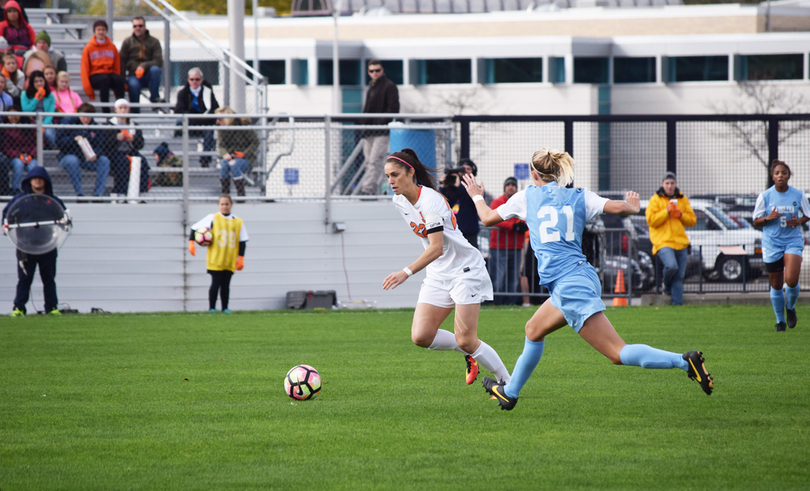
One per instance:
[(619, 288)]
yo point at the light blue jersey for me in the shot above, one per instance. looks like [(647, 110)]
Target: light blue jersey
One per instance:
[(777, 237)]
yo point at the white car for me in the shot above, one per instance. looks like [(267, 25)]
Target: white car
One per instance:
[(727, 249)]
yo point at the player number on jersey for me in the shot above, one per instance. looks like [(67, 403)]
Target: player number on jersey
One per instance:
[(419, 229), (548, 230), (227, 238)]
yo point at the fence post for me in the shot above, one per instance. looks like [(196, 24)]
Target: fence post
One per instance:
[(327, 123), (568, 125), (167, 60), (773, 143), (185, 209), (464, 140), (39, 140), (672, 145)]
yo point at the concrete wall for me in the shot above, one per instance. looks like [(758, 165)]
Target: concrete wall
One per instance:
[(133, 258)]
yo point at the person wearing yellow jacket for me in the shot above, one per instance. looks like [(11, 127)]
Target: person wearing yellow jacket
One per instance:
[(226, 253), (668, 215)]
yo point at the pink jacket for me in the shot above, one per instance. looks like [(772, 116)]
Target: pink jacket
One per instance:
[(67, 101)]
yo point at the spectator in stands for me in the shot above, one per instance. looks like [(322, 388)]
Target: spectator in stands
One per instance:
[(67, 101), (101, 66), (165, 158), (142, 62), (238, 151), (505, 247), (43, 44), (668, 213), (197, 97), (15, 80), (19, 146), (456, 195), (50, 77), (38, 182), (5, 99), (73, 158), (18, 33), (38, 98), (382, 97), (35, 62), (127, 144)]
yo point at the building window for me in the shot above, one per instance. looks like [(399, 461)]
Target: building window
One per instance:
[(633, 70), (697, 68), (770, 67), (590, 70), (349, 72), (556, 70), (302, 77), (444, 71), (180, 70), (513, 70), (392, 69), (274, 70)]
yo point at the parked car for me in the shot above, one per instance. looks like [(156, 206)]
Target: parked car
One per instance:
[(645, 247), (610, 243), (715, 229)]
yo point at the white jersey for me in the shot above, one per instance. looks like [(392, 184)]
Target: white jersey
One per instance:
[(432, 214), (208, 222)]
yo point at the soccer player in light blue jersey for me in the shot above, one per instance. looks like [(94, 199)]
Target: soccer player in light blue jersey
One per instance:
[(780, 211), (556, 216)]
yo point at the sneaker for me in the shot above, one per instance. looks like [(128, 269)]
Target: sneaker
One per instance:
[(17, 313), (213, 311), (780, 327), (697, 370), (226, 311), (472, 369), (496, 390), (791, 318), (55, 312)]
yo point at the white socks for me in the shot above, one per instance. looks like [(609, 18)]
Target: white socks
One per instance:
[(445, 341), (489, 359)]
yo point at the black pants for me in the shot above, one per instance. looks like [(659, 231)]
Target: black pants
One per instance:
[(221, 283), (103, 82), (25, 276)]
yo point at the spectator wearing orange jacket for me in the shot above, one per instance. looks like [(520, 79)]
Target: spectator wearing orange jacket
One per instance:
[(101, 66)]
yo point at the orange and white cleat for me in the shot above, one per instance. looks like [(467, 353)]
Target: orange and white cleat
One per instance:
[(472, 369)]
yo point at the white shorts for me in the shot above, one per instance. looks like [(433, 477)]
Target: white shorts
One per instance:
[(469, 288)]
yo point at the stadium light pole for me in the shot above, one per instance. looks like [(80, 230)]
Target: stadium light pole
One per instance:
[(336, 109)]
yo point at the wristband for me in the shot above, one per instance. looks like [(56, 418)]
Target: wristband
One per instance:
[(407, 271), (477, 198)]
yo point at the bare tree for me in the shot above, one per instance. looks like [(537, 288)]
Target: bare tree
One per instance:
[(761, 97)]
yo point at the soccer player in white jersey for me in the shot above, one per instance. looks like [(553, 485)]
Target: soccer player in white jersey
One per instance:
[(780, 211), (556, 216), (456, 275)]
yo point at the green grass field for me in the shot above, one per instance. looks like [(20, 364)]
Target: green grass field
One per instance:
[(196, 401)]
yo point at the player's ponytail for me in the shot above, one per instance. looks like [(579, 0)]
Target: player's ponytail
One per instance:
[(407, 159), (554, 166)]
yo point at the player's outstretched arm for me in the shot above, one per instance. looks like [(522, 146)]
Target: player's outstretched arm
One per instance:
[(433, 251), (488, 216), (630, 206)]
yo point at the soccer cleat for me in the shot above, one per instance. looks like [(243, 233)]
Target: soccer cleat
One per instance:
[(212, 310), (697, 370), (472, 369), (17, 313), (55, 312), (780, 327), (496, 390), (791, 318), (226, 311)]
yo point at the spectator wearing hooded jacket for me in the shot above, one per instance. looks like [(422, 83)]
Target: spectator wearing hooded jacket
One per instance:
[(71, 156), (18, 32), (101, 66), (37, 181)]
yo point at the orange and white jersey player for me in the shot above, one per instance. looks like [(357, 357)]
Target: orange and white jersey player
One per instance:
[(456, 275)]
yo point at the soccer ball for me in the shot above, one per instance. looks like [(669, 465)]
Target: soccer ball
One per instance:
[(302, 382), (203, 236)]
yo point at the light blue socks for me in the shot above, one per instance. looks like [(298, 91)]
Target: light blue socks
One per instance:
[(792, 294), (778, 302), (526, 363), (641, 355)]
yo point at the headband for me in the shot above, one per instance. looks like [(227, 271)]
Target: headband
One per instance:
[(392, 157)]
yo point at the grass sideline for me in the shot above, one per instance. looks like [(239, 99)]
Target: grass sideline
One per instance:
[(196, 401)]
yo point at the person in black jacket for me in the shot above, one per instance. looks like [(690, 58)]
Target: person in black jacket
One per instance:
[(37, 181), (456, 194), (382, 97), (197, 97), (71, 156), (127, 143)]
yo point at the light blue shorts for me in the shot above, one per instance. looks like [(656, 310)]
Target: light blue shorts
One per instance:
[(578, 295), (773, 253)]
